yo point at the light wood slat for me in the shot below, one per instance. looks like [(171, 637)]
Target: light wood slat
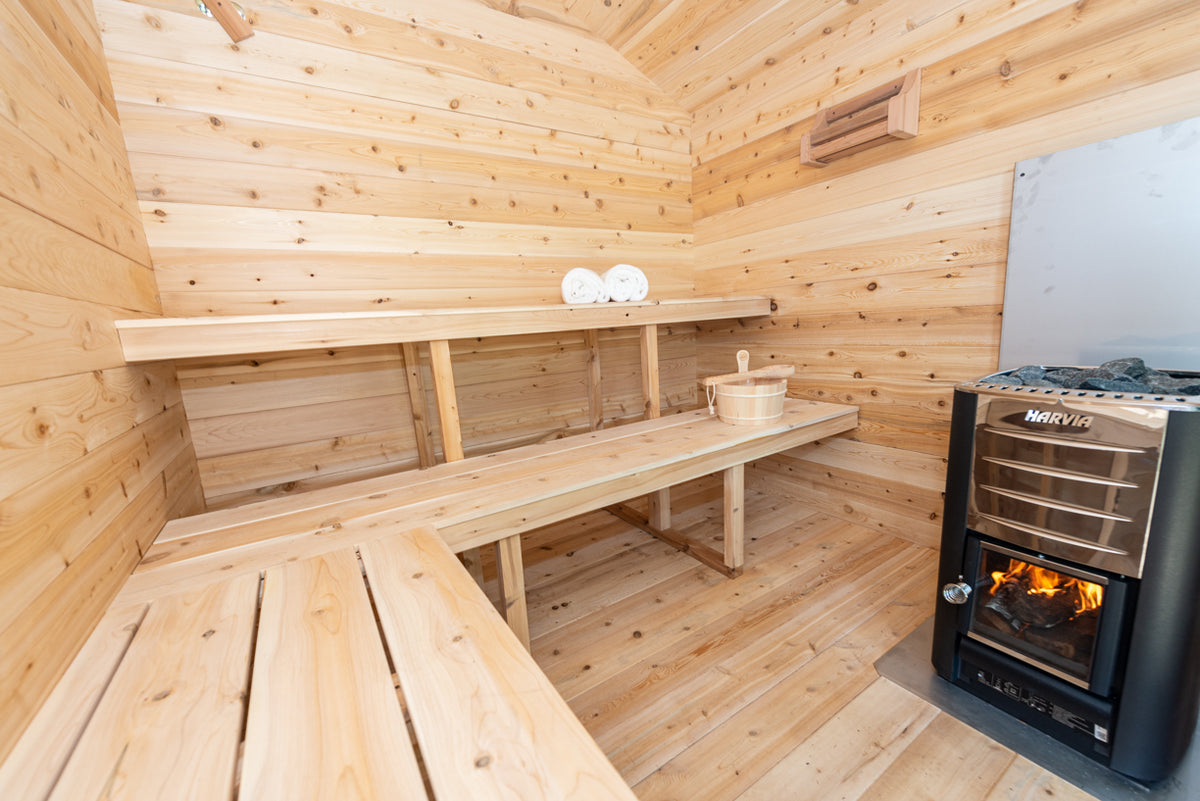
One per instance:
[(447, 401), (144, 80), (169, 724), (308, 509), (324, 720), (417, 404), (659, 502), (33, 766), (375, 34), (452, 448), (232, 22), (71, 28), (477, 501), (43, 336), (420, 191), (1027, 781), (843, 757), (701, 553), (621, 177), (47, 527), (489, 723), (595, 388), (735, 517), (171, 338), (272, 58), (55, 107), (190, 225), (510, 576), (47, 425), (35, 250), (625, 176), (976, 763)]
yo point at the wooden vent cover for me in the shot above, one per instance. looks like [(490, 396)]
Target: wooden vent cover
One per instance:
[(879, 116)]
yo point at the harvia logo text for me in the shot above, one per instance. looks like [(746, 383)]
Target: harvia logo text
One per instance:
[(1059, 418)]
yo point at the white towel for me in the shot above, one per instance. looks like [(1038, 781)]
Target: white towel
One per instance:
[(626, 282), (582, 285)]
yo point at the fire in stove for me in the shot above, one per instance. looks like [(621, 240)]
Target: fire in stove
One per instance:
[(1053, 614), (1028, 595)]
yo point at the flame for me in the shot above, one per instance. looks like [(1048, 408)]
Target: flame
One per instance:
[(1042, 581)]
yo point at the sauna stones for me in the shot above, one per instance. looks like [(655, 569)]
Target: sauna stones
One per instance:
[(1128, 375)]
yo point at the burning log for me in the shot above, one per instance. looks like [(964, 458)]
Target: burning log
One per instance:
[(1018, 601)]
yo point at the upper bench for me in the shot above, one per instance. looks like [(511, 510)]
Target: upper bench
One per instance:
[(152, 339)]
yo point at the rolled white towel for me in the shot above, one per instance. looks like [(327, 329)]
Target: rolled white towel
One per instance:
[(626, 282), (582, 285)]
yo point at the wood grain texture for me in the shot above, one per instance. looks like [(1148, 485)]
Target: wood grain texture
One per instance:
[(323, 719), (489, 723), (35, 763), (85, 441), (153, 339), (476, 501), (512, 391), (169, 724), (888, 267), (363, 157)]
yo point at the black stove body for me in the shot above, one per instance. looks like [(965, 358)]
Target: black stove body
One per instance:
[(1070, 566)]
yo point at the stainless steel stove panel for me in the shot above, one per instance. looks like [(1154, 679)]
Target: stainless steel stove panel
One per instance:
[(1067, 476)]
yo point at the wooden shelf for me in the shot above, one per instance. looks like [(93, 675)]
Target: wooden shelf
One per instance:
[(153, 339)]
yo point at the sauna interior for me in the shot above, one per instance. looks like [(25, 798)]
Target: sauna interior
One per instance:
[(461, 156)]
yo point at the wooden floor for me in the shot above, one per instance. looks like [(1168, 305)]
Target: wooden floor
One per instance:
[(761, 687)]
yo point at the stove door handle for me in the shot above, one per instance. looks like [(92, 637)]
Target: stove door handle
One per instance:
[(957, 592)]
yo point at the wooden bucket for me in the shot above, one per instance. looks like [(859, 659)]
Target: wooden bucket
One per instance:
[(748, 397)]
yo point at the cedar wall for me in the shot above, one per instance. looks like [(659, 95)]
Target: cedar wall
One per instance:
[(350, 157), (888, 267), (94, 456)]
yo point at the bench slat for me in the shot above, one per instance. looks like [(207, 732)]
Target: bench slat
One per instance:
[(33, 766), (489, 723), (169, 724), (382, 490), (480, 500), (151, 339), (324, 720)]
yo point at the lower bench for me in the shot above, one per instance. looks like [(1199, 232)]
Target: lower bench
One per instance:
[(167, 692), (486, 499), (278, 600)]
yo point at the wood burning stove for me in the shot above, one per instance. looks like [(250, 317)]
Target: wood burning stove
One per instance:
[(1070, 565)]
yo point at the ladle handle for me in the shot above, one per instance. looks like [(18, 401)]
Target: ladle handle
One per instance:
[(743, 360)]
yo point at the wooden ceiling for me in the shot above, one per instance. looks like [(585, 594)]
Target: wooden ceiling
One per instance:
[(698, 50)]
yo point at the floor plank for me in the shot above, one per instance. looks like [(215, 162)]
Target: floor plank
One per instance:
[(760, 687)]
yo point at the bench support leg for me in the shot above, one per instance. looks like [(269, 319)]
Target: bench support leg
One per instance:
[(709, 557), (591, 340), (510, 570), (735, 516), (420, 409), (660, 501), (659, 509)]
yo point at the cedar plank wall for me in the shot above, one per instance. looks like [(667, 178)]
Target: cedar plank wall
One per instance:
[(352, 157), (94, 455), (888, 267)]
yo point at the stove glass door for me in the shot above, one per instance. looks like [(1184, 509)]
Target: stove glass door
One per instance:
[(1038, 611)]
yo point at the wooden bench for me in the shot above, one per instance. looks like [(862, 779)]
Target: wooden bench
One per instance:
[(489, 499), (151, 339), (248, 655), (210, 693), (254, 630)]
